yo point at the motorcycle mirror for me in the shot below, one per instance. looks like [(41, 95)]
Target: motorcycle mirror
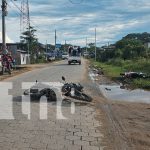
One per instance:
[(63, 78)]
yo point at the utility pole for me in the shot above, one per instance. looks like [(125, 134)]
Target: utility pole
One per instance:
[(108, 44), (65, 46), (46, 46), (86, 44), (28, 23), (95, 45), (4, 14), (28, 12), (55, 38), (46, 50)]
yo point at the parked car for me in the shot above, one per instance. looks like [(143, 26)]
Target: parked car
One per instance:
[(86, 54), (51, 58), (65, 55)]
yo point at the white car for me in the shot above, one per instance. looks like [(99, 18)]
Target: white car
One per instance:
[(86, 54), (51, 58), (65, 56)]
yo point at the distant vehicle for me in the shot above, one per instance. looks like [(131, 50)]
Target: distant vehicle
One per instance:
[(86, 54), (65, 55), (74, 57), (51, 58)]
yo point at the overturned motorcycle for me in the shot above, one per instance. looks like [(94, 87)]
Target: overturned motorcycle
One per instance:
[(74, 91), (68, 90), (38, 90)]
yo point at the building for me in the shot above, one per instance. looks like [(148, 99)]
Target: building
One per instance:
[(147, 45), (109, 47), (22, 57)]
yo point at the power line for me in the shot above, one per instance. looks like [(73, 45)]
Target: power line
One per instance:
[(20, 11)]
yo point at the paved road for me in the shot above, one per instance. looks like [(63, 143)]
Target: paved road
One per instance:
[(77, 132)]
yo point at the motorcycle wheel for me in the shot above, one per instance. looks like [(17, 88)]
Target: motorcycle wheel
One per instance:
[(9, 69), (3, 70), (66, 89), (50, 94)]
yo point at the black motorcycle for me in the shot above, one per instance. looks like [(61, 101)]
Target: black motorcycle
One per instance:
[(38, 90), (75, 91), (71, 90)]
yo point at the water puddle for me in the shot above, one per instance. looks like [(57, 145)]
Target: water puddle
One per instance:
[(118, 93)]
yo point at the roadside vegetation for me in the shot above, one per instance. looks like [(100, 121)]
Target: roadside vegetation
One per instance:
[(113, 71), (129, 54)]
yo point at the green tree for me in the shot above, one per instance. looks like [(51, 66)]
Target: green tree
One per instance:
[(131, 48), (118, 53), (143, 37), (91, 47), (127, 52), (30, 40)]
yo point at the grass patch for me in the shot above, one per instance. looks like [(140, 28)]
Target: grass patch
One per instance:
[(113, 68), (109, 70), (141, 65), (142, 83)]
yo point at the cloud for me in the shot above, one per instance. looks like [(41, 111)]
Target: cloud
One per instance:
[(76, 21), (8, 40)]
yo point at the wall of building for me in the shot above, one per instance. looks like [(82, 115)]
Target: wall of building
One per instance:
[(24, 58)]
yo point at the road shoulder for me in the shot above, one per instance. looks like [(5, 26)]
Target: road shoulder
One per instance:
[(23, 69), (125, 125)]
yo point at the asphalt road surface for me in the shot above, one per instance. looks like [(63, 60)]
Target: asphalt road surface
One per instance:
[(77, 130)]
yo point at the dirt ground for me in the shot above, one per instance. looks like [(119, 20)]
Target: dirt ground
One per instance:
[(22, 69), (126, 126), (133, 124), (14, 73)]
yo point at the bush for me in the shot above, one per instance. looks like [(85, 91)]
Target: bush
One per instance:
[(116, 62), (142, 83), (140, 65)]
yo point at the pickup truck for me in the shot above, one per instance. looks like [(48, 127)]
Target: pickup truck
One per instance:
[(74, 57), (65, 56)]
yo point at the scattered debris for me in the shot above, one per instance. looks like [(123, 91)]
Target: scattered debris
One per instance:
[(107, 89), (134, 75)]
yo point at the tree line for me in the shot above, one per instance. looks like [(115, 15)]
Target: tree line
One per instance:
[(129, 47)]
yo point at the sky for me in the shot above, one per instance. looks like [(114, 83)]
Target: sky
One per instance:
[(75, 20)]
